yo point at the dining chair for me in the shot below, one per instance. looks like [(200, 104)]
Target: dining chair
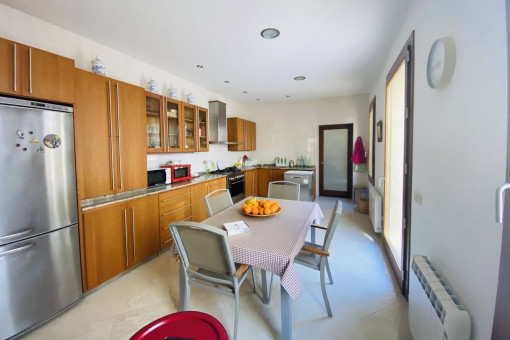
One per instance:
[(217, 201), (316, 256), (207, 261), (283, 189)]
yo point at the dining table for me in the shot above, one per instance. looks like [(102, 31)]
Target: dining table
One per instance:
[(271, 245)]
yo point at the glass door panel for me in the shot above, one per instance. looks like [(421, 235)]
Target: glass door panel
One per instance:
[(173, 125), (335, 160), (203, 129), (154, 131), (189, 127)]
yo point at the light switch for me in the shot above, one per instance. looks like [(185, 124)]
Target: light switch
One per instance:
[(417, 197)]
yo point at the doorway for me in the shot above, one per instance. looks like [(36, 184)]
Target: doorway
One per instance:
[(335, 167), (398, 164)]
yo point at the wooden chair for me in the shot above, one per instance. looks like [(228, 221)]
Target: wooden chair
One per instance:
[(207, 261), (284, 190), (315, 256), (217, 201)]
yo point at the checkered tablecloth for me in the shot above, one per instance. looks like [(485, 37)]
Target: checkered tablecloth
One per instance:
[(274, 241)]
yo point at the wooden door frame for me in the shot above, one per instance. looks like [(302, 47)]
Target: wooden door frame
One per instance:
[(322, 192), (407, 52), (501, 326)]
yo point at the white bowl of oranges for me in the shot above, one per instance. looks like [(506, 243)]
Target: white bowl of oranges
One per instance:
[(258, 207)]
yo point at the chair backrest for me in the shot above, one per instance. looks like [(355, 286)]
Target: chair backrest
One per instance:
[(201, 245), (284, 190), (217, 201), (333, 223)]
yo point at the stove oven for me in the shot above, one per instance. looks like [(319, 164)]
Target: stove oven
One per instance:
[(235, 184)]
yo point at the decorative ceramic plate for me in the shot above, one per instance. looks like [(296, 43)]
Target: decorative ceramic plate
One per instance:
[(277, 212)]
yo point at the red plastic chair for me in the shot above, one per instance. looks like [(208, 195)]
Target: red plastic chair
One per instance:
[(183, 326)]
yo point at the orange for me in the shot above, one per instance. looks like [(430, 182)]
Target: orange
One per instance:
[(267, 205), (274, 209), (248, 209), (261, 203), (267, 211), (256, 204), (255, 210), (244, 206), (261, 211), (275, 204)]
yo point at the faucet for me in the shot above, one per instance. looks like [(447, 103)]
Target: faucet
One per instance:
[(276, 160), (291, 163)]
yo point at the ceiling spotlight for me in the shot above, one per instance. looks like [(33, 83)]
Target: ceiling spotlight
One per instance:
[(258, 99), (288, 96), (200, 66), (227, 81), (245, 91), (300, 78), (270, 33)]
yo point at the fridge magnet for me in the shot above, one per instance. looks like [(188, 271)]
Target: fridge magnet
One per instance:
[(20, 134), (33, 141), (40, 149), (52, 141), (18, 145), (25, 149)]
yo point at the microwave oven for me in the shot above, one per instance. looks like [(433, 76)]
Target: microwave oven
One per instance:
[(158, 177), (178, 172)]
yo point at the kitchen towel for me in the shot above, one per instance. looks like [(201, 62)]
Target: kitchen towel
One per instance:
[(358, 155)]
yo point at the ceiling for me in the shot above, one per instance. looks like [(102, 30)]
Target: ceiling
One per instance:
[(338, 45)]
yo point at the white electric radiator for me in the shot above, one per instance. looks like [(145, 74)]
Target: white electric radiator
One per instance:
[(375, 208), (435, 313)]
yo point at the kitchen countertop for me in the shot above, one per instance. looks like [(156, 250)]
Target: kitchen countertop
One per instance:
[(96, 202), (92, 203)]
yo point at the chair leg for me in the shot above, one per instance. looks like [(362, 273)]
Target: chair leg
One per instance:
[(270, 288), (329, 272), (236, 297), (323, 287), (253, 280)]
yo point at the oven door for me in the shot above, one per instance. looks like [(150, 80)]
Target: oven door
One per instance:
[(236, 189)]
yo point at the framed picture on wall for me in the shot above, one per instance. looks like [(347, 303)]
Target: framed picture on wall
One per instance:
[(379, 131)]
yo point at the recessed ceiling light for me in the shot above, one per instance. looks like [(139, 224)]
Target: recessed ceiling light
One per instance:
[(227, 81), (258, 99), (288, 96), (270, 33), (200, 66), (300, 78), (245, 91)]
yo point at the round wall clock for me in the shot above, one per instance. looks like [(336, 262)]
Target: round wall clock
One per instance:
[(441, 63)]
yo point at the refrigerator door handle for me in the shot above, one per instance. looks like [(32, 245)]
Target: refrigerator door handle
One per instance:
[(22, 233), (500, 202), (17, 250)]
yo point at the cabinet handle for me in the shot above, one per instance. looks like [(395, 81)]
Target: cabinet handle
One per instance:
[(118, 134), (14, 64), (252, 184), (133, 227), (125, 236), (17, 250), (30, 70), (164, 127), (171, 198), (111, 133)]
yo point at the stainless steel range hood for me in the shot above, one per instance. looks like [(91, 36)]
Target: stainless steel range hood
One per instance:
[(218, 124)]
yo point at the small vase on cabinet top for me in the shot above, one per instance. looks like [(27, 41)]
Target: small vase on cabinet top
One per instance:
[(98, 66), (172, 93), (191, 98), (153, 86)]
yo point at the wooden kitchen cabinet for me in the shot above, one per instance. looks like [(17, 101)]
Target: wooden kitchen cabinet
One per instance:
[(269, 175), (31, 72), (203, 129), (154, 108), (241, 131), (110, 135), (174, 205), (119, 236), (198, 208), (190, 128), (251, 182), (215, 184)]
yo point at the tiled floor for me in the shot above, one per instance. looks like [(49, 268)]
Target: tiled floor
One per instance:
[(364, 298)]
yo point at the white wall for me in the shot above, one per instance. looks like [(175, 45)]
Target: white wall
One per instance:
[(291, 129), (459, 147)]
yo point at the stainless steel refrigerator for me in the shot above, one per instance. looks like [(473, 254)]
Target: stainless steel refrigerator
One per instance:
[(39, 246)]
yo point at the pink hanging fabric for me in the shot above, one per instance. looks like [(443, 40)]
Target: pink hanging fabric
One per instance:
[(358, 155)]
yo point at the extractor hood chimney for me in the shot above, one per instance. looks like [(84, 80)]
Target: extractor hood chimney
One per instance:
[(218, 123)]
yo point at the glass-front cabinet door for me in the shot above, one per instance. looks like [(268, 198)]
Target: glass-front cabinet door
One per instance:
[(155, 135), (203, 129), (190, 127), (173, 118)]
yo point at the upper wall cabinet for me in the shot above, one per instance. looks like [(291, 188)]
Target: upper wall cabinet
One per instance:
[(243, 132), (110, 136), (30, 72), (175, 126)]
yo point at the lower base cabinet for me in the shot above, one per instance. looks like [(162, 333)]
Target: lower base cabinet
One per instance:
[(119, 236), (198, 192), (266, 176), (174, 206)]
